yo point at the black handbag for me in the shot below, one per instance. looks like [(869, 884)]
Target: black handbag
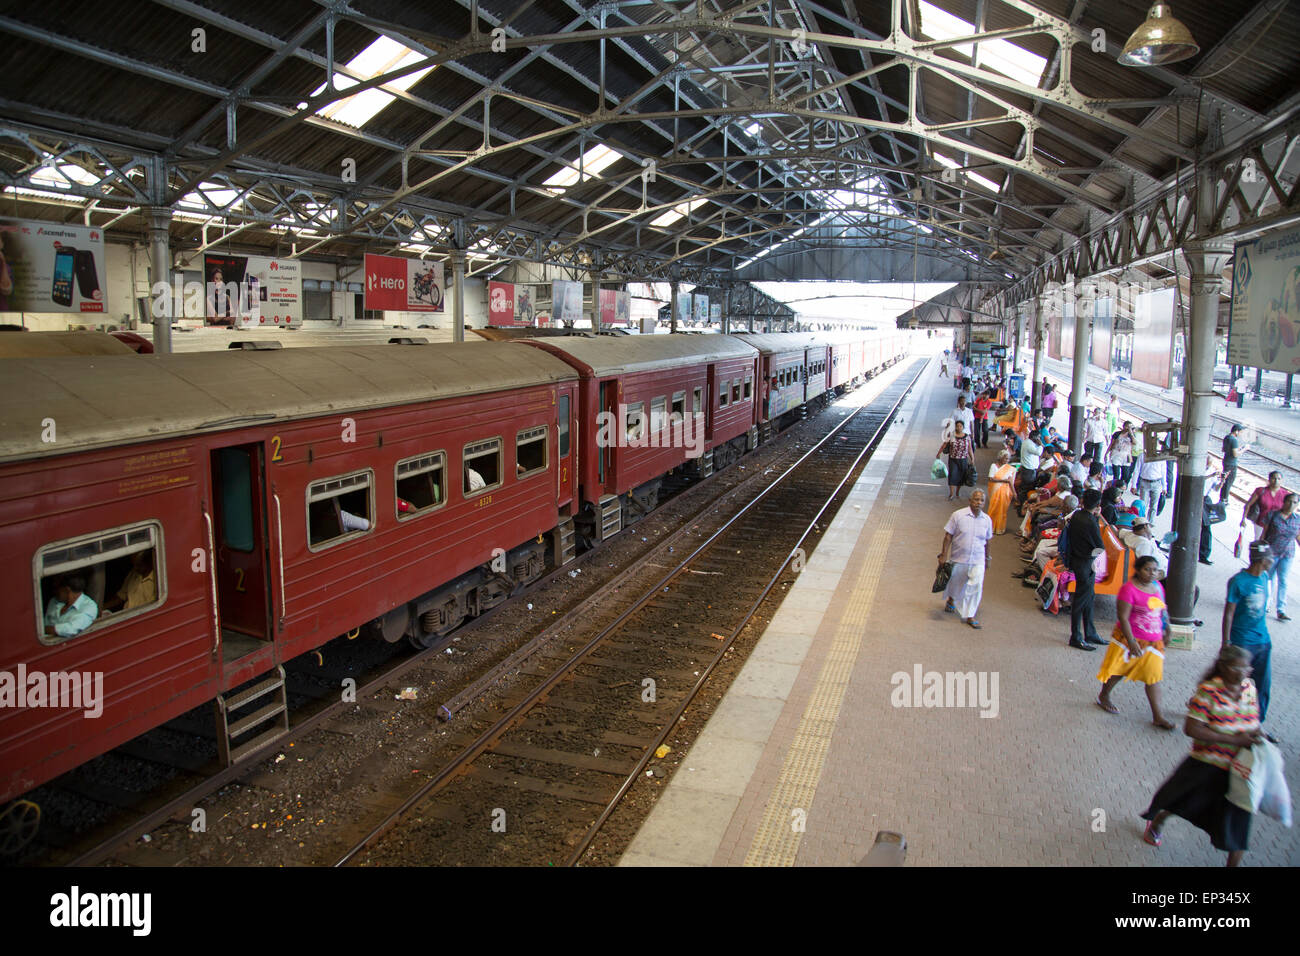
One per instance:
[(1214, 512), (970, 474), (1253, 512), (941, 577)]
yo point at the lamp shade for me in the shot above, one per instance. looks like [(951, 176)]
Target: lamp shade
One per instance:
[(1159, 40)]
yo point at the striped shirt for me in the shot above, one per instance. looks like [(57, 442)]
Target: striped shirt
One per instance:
[(1223, 715)]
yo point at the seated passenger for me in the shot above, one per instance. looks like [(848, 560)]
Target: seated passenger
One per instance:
[(353, 522), (1143, 543), (70, 611), (140, 587), (473, 480)]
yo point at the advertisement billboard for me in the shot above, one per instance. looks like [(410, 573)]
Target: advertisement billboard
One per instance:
[(401, 284), (566, 301), (1153, 336), (502, 307), (1103, 327), (700, 307), (623, 308), (1264, 330), (251, 292), (683, 307), (715, 313), (606, 307), (50, 267)]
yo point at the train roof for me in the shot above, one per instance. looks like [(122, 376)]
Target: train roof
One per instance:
[(787, 341), (98, 402), (620, 354), (41, 344)]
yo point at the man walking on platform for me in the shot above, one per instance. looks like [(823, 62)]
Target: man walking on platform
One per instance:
[(1245, 618), (1094, 434), (1232, 448), (1083, 538), (965, 543)]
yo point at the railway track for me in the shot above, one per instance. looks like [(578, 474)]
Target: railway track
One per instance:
[(581, 724), (1254, 463), (158, 809)]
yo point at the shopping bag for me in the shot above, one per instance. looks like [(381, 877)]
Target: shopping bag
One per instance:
[(1236, 548), (970, 474), (1215, 512), (941, 577), (938, 469), (1276, 799)]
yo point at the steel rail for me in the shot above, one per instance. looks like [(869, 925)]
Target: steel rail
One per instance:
[(492, 734)]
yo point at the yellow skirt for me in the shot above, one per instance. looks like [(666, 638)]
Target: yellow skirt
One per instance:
[(1149, 668)]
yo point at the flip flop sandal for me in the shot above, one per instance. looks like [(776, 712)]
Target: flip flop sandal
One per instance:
[(1112, 709), (1150, 837), (975, 624), (1165, 726), (950, 607)]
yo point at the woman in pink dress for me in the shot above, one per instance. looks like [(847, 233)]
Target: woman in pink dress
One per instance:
[(1269, 498), (1137, 645)]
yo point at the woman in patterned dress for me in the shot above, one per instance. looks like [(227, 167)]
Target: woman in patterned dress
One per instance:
[(1222, 717)]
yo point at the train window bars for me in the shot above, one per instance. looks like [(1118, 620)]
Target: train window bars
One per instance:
[(634, 426), (658, 415), (530, 451), (735, 390), (482, 462), (749, 386), (121, 571), (564, 425), (724, 390), (678, 412), (339, 509), (698, 405), (421, 484)]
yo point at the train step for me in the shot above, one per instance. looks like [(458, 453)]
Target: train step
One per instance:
[(706, 464), (611, 516), (274, 712), (566, 542)]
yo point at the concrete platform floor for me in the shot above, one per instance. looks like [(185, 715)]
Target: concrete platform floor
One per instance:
[(807, 757)]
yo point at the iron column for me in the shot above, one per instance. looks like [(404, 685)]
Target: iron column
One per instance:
[(458, 282), (1205, 261), (160, 265), (1037, 388), (1079, 384)]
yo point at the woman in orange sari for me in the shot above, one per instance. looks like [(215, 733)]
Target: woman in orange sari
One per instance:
[(1001, 472)]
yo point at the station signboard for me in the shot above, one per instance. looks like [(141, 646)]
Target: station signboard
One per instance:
[(251, 292), (1153, 337), (1264, 330), (402, 284), (51, 267), (1103, 326)]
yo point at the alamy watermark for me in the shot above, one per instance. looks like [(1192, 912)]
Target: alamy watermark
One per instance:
[(78, 690), (946, 689), (630, 427)]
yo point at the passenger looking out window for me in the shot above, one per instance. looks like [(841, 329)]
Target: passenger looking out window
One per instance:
[(70, 611), (140, 587)]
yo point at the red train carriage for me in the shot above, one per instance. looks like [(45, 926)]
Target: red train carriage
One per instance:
[(795, 369), (232, 510), (653, 395)]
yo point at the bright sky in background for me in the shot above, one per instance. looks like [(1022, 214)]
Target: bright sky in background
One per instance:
[(867, 302)]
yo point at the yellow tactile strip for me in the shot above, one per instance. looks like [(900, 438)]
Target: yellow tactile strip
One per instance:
[(776, 841)]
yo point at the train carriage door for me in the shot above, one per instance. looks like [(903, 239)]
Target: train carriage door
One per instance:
[(605, 456), (564, 440), (709, 400), (239, 535)]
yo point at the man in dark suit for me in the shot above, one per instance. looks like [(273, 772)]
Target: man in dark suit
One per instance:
[(1084, 542)]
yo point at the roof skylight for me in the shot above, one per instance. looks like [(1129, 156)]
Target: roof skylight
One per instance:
[(382, 56), (984, 181), (591, 164), (677, 212), (1000, 55)]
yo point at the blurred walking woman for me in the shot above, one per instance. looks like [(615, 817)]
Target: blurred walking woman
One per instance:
[(1137, 646), (1001, 474), (960, 453), (1268, 498), (1222, 717)]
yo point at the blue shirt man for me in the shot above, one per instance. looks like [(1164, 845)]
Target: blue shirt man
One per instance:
[(1245, 618), (69, 612)]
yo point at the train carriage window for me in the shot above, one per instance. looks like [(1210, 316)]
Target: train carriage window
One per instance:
[(421, 484), (658, 415), (564, 425), (749, 387), (482, 469), (634, 423), (339, 509), (735, 390), (117, 574), (530, 451), (724, 393), (698, 406), (678, 412)]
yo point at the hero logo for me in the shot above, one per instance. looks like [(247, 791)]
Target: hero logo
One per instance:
[(385, 282), (499, 301)]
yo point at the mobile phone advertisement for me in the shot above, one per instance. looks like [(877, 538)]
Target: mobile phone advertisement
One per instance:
[(251, 292), (50, 267)]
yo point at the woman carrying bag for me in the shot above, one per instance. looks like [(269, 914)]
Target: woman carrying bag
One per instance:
[(1263, 501), (959, 452)]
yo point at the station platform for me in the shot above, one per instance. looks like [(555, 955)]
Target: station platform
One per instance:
[(807, 756)]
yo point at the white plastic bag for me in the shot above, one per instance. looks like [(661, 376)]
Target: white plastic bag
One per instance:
[(1275, 801)]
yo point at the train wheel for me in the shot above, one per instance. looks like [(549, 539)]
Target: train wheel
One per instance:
[(18, 825)]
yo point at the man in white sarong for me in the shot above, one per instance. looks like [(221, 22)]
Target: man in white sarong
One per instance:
[(965, 543)]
